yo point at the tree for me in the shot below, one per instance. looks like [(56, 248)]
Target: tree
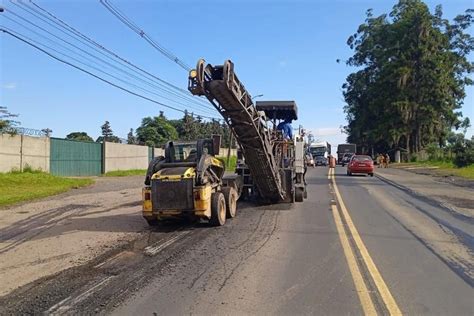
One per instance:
[(110, 139), (106, 130), (158, 130), (155, 131), (107, 134), (131, 139), (6, 118), (413, 70), (79, 136)]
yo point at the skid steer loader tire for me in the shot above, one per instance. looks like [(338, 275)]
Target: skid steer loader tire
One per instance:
[(230, 196), (218, 209)]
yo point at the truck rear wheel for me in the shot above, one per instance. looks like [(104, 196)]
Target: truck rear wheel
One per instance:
[(218, 209), (230, 196)]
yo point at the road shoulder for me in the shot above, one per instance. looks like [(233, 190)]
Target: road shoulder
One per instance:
[(458, 200), (45, 237)]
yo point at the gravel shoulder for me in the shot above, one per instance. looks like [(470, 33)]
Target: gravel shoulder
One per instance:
[(45, 237), (452, 194)]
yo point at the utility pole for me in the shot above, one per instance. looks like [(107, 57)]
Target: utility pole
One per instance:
[(47, 132)]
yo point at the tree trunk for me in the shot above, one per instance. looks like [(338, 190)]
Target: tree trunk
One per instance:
[(407, 146)]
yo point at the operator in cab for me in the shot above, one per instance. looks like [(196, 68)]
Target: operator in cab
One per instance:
[(286, 129)]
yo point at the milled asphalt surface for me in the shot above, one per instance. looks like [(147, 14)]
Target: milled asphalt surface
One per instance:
[(302, 270), (269, 260), (277, 259)]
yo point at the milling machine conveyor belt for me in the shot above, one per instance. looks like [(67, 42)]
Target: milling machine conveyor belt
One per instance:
[(223, 89)]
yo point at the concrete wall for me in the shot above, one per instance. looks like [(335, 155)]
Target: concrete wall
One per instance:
[(125, 157), (158, 152), (17, 151), (223, 152)]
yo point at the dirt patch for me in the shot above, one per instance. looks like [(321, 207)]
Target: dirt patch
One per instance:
[(459, 202), (42, 238), (440, 176)]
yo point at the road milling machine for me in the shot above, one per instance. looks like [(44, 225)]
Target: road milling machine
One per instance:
[(271, 168)]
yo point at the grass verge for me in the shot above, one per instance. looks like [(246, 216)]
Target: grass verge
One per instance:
[(444, 168), (232, 162), (25, 186), (126, 173)]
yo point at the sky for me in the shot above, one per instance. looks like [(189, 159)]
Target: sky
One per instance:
[(285, 50)]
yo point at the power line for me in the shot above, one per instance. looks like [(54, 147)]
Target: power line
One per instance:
[(43, 14), (134, 27), (141, 75), (27, 41), (92, 61)]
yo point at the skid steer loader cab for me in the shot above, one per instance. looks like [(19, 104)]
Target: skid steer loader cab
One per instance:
[(186, 183)]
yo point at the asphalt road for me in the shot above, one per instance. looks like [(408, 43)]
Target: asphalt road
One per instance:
[(356, 245), (291, 261)]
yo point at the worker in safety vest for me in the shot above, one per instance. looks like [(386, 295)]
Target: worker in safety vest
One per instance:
[(286, 129)]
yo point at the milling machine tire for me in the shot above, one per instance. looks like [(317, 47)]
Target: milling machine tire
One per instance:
[(230, 196), (299, 194), (152, 222), (218, 209)]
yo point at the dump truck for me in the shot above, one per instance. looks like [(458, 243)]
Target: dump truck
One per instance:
[(270, 169), (345, 149)]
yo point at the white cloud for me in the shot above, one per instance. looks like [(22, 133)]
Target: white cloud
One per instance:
[(326, 131), (9, 86)]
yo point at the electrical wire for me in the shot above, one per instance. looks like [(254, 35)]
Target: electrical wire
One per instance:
[(31, 43), (134, 27), (43, 14), (99, 65)]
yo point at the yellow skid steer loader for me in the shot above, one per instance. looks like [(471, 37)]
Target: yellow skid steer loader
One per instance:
[(187, 183)]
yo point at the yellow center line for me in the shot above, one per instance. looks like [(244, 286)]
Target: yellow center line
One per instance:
[(382, 288), (362, 291)]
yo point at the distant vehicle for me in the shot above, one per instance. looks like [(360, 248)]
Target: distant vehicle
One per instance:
[(347, 157), (309, 160), (361, 164), (320, 149), (345, 149), (321, 161)]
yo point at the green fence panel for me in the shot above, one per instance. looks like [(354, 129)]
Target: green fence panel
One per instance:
[(150, 153), (74, 158)]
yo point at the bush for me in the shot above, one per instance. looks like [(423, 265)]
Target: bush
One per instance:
[(434, 152), (26, 169), (464, 153)]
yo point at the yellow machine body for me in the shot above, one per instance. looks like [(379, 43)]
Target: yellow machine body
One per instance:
[(201, 194)]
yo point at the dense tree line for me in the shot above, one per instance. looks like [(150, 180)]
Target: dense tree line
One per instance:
[(412, 72), (155, 131)]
